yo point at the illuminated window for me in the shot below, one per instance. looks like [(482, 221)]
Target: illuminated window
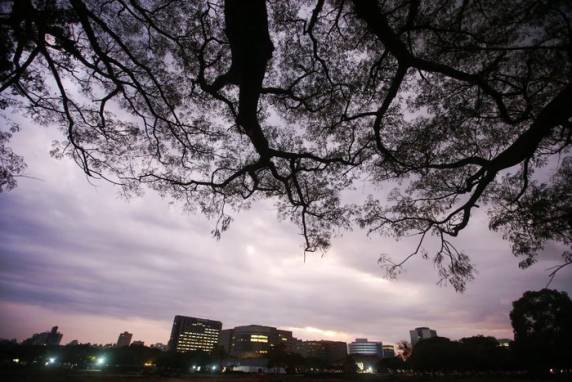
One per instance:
[(258, 338)]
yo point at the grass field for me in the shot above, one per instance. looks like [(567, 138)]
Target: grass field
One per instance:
[(45, 376)]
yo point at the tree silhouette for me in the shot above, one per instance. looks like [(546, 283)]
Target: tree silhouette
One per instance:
[(542, 323), (470, 353), (221, 103), (484, 353), (437, 353), (404, 350)]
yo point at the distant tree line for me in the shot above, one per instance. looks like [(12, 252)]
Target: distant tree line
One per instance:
[(467, 354), (542, 324)]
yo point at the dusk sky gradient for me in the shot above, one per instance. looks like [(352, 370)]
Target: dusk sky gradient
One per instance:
[(74, 253)]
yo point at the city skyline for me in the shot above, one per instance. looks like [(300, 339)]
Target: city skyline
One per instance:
[(125, 337), (198, 334), (69, 247)]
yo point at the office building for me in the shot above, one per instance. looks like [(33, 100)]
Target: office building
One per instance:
[(138, 343), (388, 351), (51, 338), (361, 346), (328, 351), (124, 339), (422, 333), (285, 338), (254, 341), (225, 340), (192, 334), (54, 337)]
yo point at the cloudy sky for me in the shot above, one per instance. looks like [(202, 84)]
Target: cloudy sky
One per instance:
[(77, 255)]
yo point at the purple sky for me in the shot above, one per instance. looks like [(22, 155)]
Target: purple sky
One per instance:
[(77, 255)]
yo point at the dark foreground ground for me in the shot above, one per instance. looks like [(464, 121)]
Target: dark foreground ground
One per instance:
[(52, 376)]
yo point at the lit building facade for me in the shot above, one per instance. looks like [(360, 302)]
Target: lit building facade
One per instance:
[(388, 351), (421, 333), (192, 334), (361, 346), (254, 341), (124, 339)]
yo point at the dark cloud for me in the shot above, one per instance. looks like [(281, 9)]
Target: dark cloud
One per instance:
[(77, 255)]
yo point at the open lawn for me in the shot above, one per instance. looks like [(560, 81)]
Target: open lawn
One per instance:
[(43, 376)]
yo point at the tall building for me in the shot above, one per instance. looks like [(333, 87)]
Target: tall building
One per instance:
[(54, 337), (361, 346), (51, 338), (251, 341), (388, 351), (285, 338), (422, 333), (191, 334), (254, 341), (124, 339), (225, 340), (329, 351)]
